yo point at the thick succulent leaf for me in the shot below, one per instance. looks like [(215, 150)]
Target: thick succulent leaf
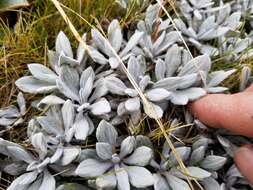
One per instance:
[(92, 168), (71, 186), (63, 59), (210, 184), (183, 152), (64, 89), (106, 181), (48, 182), (200, 63), (176, 183), (104, 150), (42, 73), (160, 182), (20, 154), (9, 112), (218, 77), (179, 98), (32, 85), (81, 54), (213, 163), (51, 100), (157, 94), (192, 93), (143, 141), (245, 75), (69, 155), (57, 155), (135, 69), (106, 133), (132, 42), (68, 114), (198, 172), (101, 42), (81, 127), (197, 155), (188, 81), (133, 104), (21, 103), (86, 82), (100, 107), (115, 36), (122, 178), (36, 184), (23, 180), (97, 56), (70, 77), (172, 60), (218, 89), (39, 142), (160, 69), (63, 45), (170, 39), (153, 111), (50, 125), (170, 83), (115, 85), (139, 177), (140, 157), (127, 146)]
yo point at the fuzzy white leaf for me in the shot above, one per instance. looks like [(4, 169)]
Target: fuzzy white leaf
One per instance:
[(63, 45), (115, 85), (48, 182), (157, 94), (132, 104), (160, 183), (115, 36), (39, 142), (183, 152), (139, 177), (218, 77), (92, 168), (176, 183), (213, 163), (140, 157), (81, 127), (20, 154), (32, 85), (106, 181), (104, 150), (122, 178), (200, 63), (100, 107), (197, 155), (106, 133), (69, 155), (198, 172), (132, 42), (153, 111), (127, 146), (51, 100)]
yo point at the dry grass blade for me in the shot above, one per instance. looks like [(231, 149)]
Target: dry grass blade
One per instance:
[(146, 103)]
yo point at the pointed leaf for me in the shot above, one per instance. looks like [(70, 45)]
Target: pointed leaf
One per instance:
[(106, 133)]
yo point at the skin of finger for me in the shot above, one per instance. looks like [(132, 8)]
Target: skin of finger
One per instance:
[(233, 112), (244, 162)]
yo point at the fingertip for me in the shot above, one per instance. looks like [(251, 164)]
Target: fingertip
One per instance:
[(244, 161)]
